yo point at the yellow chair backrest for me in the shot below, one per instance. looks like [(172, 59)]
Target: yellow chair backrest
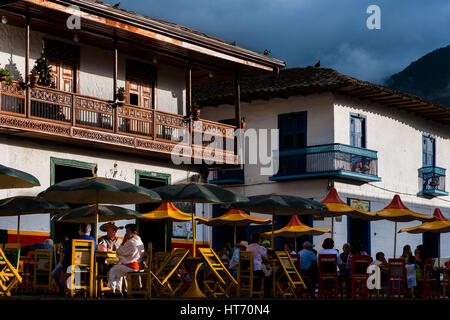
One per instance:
[(171, 264), (42, 269), (82, 264), (9, 277)]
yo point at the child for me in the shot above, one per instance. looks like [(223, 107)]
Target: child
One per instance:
[(411, 274)]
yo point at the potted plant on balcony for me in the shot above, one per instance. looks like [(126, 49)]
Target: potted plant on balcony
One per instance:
[(195, 111), (121, 94), (33, 77), (41, 73), (5, 75)]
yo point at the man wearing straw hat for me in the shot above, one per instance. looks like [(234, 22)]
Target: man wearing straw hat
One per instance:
[(110, 241)]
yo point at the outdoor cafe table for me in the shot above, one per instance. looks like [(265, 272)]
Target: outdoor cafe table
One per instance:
[(100, 263), (193, 264)]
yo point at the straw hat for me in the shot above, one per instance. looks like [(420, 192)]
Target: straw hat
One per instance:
[(243, 244), (111, 224)]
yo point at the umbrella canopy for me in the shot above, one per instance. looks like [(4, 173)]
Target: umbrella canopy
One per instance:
[(196, 192), (295, 228), (396, 211), (12, 178), (167, 211), (280, 204), (24, 205), (235, 218), (337, 207), (440, 225), (86, 214), (99, 190)]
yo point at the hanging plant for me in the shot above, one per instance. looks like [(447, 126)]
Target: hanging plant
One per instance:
[(121, 94), (243, 123)]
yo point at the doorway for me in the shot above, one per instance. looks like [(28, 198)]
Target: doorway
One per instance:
[(153, 231), (61, 170)]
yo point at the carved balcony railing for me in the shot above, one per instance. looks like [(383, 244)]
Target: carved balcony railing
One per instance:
[(78, 116)]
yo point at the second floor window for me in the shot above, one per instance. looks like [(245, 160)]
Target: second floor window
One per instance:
[(292, 130), (357, 131), (428, 149)]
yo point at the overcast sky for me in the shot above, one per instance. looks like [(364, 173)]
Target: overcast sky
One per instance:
[(300, 32)]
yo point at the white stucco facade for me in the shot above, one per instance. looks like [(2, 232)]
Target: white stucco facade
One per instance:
[(95, 80), (395, 135)]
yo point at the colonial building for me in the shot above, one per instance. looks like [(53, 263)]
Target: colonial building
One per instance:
[(368, 141), (74, 122)]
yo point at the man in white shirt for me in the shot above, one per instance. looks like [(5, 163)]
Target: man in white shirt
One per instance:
[(130, 254)]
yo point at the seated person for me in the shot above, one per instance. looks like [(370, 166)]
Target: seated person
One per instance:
[(110, 241), (380, 261), (308, 263), (130, 253), (235, 258), (60, 271), (46, 245)]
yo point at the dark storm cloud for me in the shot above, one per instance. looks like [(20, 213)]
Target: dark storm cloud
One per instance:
[(301, 32)]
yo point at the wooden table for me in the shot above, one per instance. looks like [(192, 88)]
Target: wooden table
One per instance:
[(101, 258)]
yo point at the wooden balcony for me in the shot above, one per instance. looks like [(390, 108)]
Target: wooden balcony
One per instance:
[(58, 115)]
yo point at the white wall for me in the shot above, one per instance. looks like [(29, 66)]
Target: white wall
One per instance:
[(34, 158), (396, 135)]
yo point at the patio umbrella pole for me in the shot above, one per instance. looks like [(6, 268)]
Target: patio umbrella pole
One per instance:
[(165, 234), (332, 227), (395, 239), (96, 216), (273, 226), (234, 236), (193, 229), (295, 244), (18, 228)]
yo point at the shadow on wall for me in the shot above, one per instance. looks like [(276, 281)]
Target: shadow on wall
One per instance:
[(12, 67)]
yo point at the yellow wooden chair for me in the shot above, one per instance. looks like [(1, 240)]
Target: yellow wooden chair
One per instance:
[(82, 268), (287, 280), (218, 280), (42, 275), (245, 277), (134, 279), (9, 277), (168, 278)]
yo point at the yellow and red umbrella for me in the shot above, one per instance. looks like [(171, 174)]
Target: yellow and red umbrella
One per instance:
[(337, 207), (440, 225), (234, 218), (396, 211), (295, 228), (167, 211)]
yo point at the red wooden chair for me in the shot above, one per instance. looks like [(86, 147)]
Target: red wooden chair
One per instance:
[(396, 277), (359, 276), (430, 287), (328, 275), (306, 279)]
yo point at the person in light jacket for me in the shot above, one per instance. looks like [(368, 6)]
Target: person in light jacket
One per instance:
[(130, 254)]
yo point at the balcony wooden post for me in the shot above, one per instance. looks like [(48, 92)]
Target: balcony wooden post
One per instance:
[(237, 106), (115, 72), (189, 105), (27, 67)]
